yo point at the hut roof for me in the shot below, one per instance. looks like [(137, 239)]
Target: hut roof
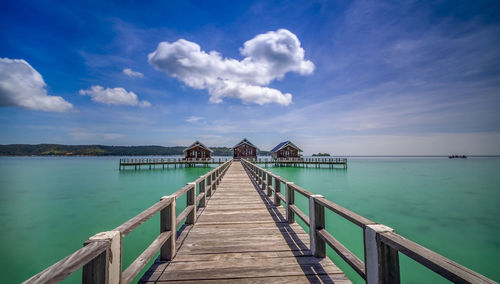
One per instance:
[(283, 144), (245, 141), (198, 143)]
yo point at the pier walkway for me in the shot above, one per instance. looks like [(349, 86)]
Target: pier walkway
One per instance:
[(242, 237)]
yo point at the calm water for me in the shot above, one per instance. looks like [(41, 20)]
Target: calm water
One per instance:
[(50, 206)]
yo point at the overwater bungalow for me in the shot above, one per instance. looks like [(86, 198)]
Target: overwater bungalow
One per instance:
[(197, 151), (245, 149), (286, 150)]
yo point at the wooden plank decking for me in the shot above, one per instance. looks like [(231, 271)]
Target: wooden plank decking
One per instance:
[(242, 237)]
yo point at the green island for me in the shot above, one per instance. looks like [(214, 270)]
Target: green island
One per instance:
[(102, 150)]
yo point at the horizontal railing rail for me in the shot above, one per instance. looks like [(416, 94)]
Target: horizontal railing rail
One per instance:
[(68, 265), (101, 255), (126, 161), (381, 243), (300, 160)]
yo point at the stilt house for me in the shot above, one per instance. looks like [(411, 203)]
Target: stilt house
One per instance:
[(197, 151), (286, 150), (245, 149)]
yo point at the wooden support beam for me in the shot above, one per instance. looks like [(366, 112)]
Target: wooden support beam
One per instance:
[(290, 200), (317, 222), (203, 200), (277, 190), (191, 200), (381, 261), (214, 183), (168, 223), (107, 267), (209, 185)]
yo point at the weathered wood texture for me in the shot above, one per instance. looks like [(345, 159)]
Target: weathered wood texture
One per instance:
[(70, 264), (241, 236)]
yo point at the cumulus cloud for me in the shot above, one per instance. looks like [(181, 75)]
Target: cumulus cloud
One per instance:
[(267, 57), (21, 85), (113, 96), (129, 72)]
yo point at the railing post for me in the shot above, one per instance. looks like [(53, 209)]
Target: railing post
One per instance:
[(209, 184), (316, 222), (381, 261), (203, 200), (262, 179), (277, 189), (191, 200), (265, 180), (107, 267), (168, 223), (290, 200), (212, 180)]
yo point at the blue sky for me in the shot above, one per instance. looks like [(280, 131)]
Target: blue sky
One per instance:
[(346, 77)]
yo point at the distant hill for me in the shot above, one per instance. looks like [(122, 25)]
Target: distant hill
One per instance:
[(101, 150)]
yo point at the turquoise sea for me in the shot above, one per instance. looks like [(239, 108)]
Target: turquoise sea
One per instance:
[(50, 205)]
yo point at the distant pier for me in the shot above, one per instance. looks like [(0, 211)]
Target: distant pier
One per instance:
[(303, 162), (152, 163)]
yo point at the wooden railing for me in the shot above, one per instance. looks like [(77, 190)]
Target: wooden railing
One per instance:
[(301, 160), (221, 160), (101, 256), (171, 160), (381, 243)]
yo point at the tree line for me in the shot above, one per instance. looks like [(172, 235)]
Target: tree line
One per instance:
[(102, 150)]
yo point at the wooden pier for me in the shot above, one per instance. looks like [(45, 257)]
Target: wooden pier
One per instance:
[(241, 236), (150, 163), (303, 162), (238, 225)]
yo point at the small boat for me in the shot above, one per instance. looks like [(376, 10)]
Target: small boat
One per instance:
[(457, 157)]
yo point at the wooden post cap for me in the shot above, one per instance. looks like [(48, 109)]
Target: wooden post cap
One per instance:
[(379, 228), (372, 257), (114, 257)]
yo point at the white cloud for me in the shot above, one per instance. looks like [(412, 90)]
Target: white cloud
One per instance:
[(113, 96), (192, 119), (268, 57), (21, 85), (129, 72)]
